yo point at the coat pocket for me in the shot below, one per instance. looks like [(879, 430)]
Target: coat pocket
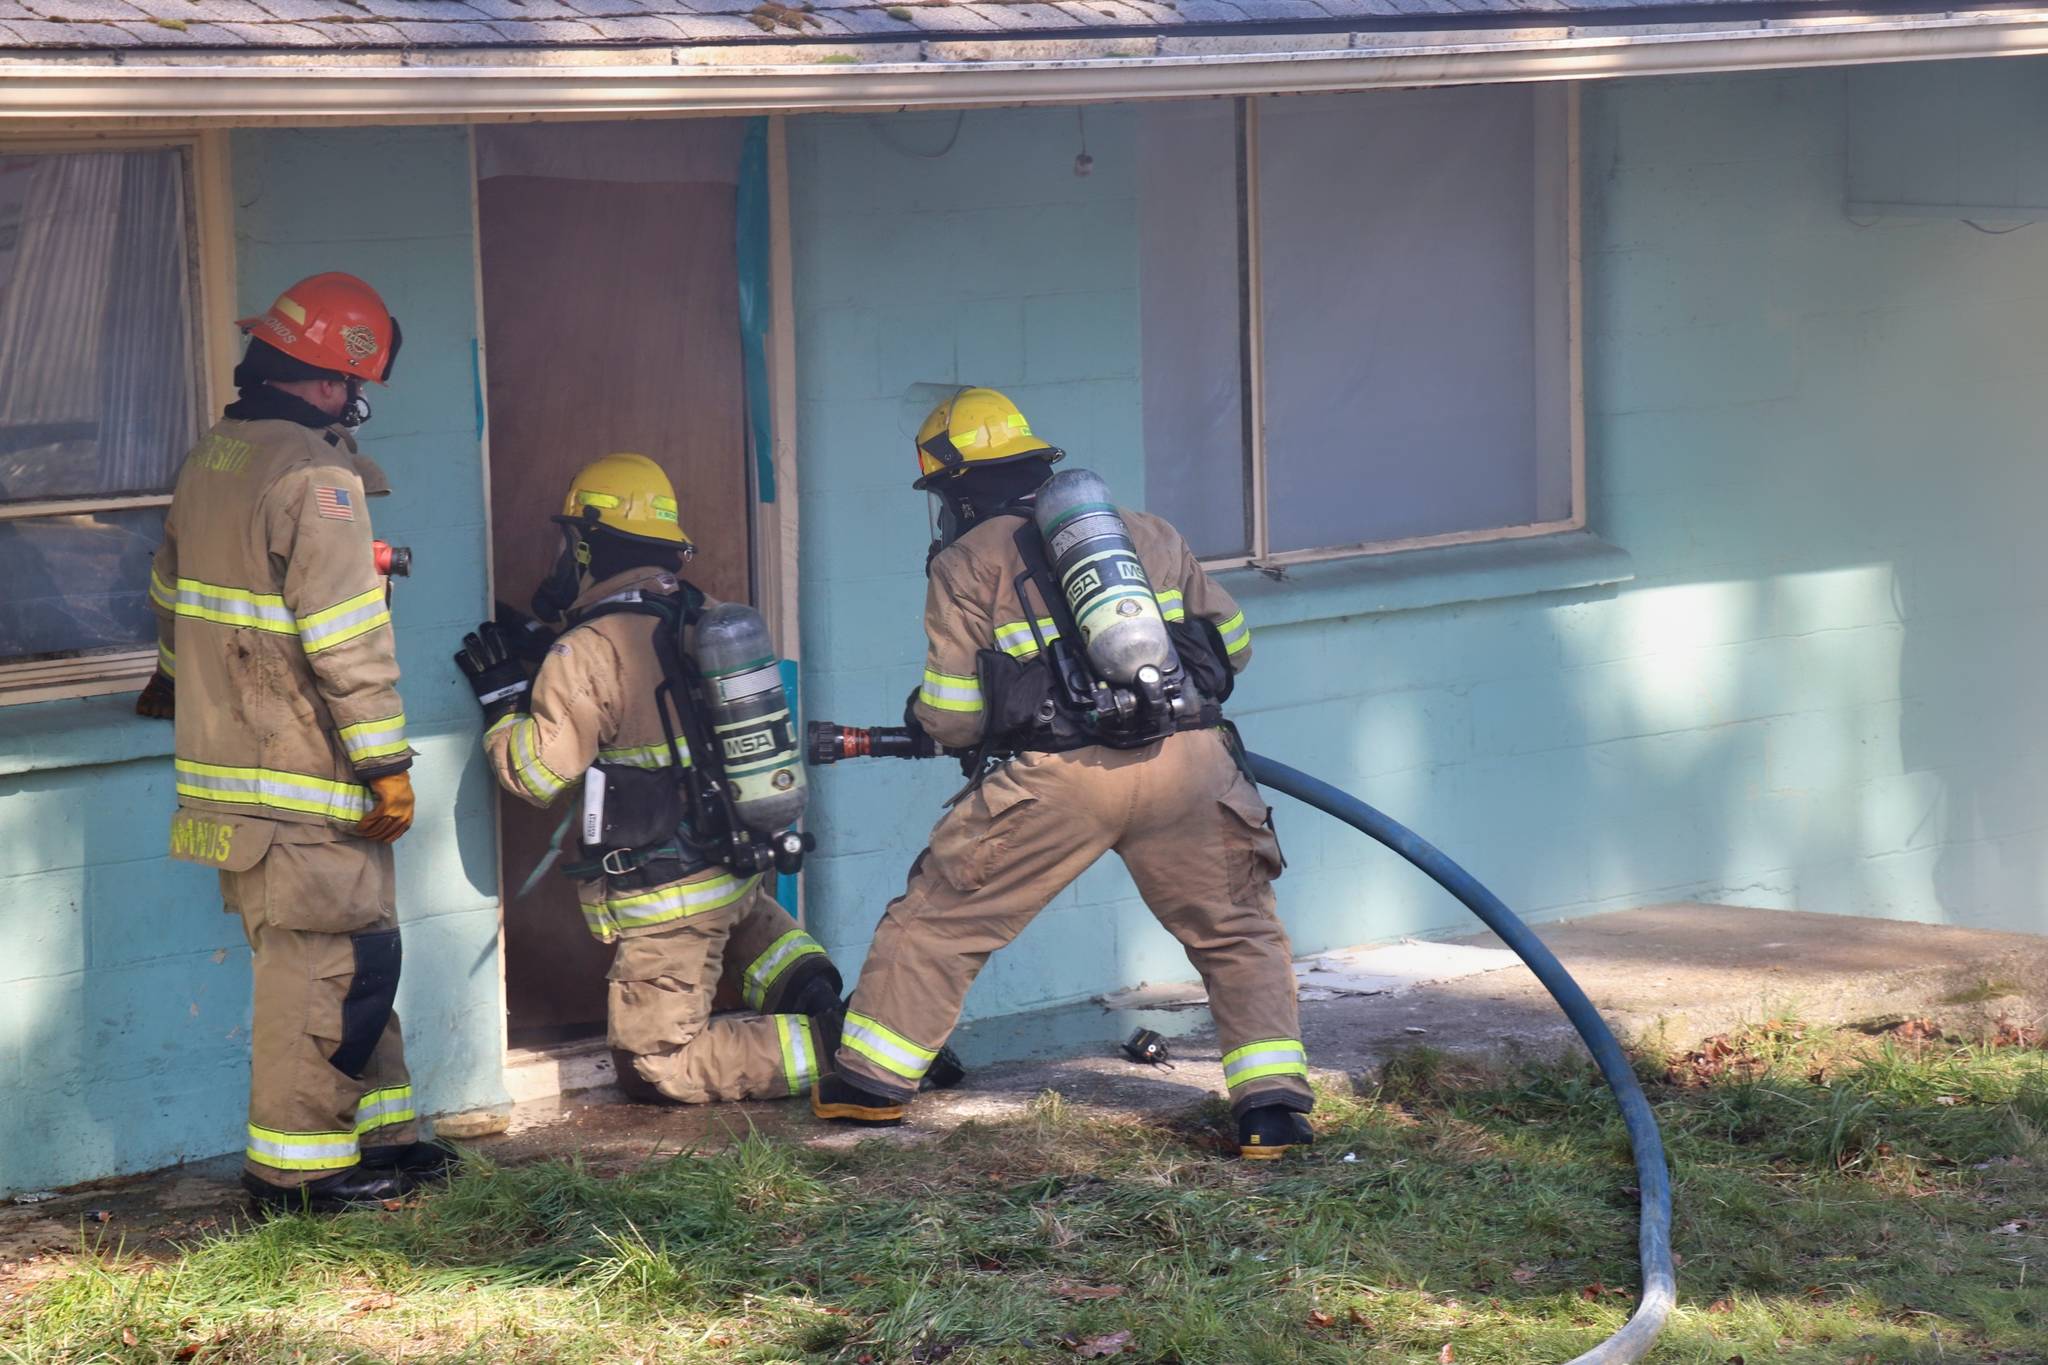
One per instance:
[(337, 886)]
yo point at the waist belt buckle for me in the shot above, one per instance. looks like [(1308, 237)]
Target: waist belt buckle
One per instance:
[(619, 862)]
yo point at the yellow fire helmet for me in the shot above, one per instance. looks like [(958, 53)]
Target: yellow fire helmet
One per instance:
[(628, 495), (975, 427)]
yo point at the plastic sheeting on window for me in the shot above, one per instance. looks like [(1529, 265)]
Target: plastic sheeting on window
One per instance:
[(1190, 321), (1407, 318), (98, 380), (77, 584)]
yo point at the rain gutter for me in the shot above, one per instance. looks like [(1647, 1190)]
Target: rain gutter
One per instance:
[(203, 90)]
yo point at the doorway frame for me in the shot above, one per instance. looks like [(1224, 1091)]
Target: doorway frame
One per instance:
[(772, 552)]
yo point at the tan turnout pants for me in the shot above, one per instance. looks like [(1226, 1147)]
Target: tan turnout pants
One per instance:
[(327, 1060), (664, 978), (1196, 837)]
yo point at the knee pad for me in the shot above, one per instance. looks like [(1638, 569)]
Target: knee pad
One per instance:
[(814, 985), (366, 1009)]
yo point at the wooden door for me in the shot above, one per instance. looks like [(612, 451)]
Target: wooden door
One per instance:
[(611, 322)]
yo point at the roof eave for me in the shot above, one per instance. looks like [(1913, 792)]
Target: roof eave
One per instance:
[(191, 90)]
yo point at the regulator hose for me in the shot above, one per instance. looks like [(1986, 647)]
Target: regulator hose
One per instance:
[(1653, 1179)]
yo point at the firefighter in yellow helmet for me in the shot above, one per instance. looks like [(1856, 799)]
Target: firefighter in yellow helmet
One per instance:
[(1059, 787), (276, 662), (590, 724)]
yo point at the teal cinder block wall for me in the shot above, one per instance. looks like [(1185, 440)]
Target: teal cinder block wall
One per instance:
[(1814, 436), (124, 996)]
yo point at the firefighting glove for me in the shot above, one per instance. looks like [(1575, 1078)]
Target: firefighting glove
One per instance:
[(529, 638), (498, 678), (392, 815), (158, 698), (925, 745)]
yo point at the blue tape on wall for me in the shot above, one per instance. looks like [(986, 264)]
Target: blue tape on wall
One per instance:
[(755, 301)]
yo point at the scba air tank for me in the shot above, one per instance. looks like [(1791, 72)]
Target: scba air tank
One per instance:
[(750, 717), (1122, 630)]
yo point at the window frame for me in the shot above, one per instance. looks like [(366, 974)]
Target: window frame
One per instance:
[(210, 219), (1557, 112)]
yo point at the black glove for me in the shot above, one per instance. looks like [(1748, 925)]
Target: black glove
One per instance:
[(528, 638), (495, 674), (923, 745)]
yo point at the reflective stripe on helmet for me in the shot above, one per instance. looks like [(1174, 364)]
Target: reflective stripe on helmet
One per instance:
[(799, 1052), (1268, 1057), (950, 692), (762, 972), (382, 1108), (273, 788), (301, 1151), (886, 1048), (374, 738)]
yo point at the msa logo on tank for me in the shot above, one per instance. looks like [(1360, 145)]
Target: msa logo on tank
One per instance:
[(750, 716)]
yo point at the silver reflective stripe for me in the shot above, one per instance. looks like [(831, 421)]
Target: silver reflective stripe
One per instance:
[(195, 600), (765, 968), (898, 1059), (1280, 1054), (273, 788), (798, 1062), (337, 625), (303, 1149), (394, 1106), (1012, 638), (764, 679)]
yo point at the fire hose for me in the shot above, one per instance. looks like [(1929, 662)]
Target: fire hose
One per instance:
[(828, 743)]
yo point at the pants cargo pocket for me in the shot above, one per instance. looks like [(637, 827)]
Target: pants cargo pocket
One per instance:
[(1254, 852), (339, 886), (969, 843), (660, 990)]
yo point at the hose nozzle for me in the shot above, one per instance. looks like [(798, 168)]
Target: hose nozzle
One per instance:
[(825, 742)]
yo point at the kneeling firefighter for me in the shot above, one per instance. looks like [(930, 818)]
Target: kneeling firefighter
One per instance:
[(1080, 656), (671, 710)]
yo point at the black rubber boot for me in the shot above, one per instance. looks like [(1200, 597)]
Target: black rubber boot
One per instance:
[(358, 1187), (945, 1072), (827, 1025), (841, 1100), (1266, 1133), (632, 1084), (420, 1163)]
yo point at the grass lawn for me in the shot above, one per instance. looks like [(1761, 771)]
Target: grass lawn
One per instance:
[(1840, 1199)]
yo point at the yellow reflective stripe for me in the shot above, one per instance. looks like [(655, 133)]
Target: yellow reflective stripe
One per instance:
[(950, 692), (1236, 634), (643, 756), (166, 660), (1172, 606), (272, 787), (678, 901), (1268, 1057), (374, 738), (160, 592), (382, 1108), (534, 775), (599, 921), (224, 606), (284, 1151), (799, 1051), (344, 621), (762, 972), (1014, 637), (886, 1048)]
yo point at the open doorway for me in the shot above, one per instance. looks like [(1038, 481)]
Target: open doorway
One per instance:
[(611, 320)]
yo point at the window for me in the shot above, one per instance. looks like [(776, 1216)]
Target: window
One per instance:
[(102, 391), (1357, 316)]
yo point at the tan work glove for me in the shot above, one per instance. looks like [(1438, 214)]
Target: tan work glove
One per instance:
[(158, 698), (392, 815)]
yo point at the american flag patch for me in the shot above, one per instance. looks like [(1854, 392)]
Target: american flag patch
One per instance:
[(334, 502)]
